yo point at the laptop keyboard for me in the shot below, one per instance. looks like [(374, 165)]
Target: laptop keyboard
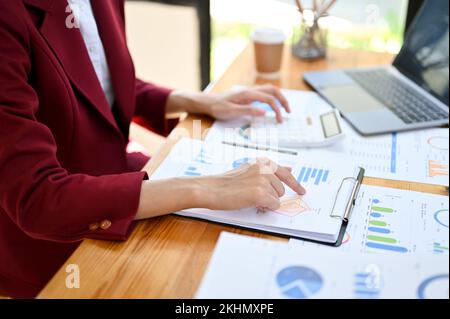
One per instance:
[(401, 99)]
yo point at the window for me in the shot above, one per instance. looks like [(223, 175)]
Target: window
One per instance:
[(374, 25)]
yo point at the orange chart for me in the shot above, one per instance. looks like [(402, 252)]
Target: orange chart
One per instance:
[(293, 206), (346, 239), (436, 168)]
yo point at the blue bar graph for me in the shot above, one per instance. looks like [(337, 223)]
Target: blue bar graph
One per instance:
[(379, 230), (302, 173), (386, 247), (319, 177), (192, 171), (308, 174), (439, 249), (315, 175), (379, 226), (362, 289), (189, 173), (325, 176), (203, 158), (394, 153), (366, 294), (362, 275)]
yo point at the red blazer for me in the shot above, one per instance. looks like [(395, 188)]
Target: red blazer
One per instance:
[(64, 171)]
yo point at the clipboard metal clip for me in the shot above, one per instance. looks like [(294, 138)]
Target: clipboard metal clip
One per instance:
[(351, 202)]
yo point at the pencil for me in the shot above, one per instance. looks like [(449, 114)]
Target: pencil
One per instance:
[(299, 5), (261, 148)]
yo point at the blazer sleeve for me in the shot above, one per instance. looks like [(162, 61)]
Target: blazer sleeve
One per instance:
[(151, 106), (37, 193)]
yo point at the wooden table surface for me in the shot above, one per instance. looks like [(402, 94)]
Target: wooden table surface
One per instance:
[(166, 257)]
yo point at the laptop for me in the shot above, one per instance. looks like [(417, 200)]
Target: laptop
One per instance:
[(412, 93)]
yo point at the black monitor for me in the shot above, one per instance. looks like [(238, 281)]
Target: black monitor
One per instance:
[(413, 8), (424, 55)]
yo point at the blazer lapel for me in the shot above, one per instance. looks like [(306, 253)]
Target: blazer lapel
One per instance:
[(68, 45), (112, 33)]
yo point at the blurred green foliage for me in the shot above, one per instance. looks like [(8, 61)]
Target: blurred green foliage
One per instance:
[(389, 38)]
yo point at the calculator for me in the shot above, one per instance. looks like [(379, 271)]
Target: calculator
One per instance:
[(309, 131)]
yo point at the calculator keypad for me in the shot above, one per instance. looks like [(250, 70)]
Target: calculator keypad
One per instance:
[(291, 131)]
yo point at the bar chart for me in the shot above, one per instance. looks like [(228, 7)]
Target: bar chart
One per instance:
[(436, 168), (397, 222), (199, 165), (239, 162), (366, 285), (379, 232), (192, 171), (203, 157), (316, 176), (439, 248)]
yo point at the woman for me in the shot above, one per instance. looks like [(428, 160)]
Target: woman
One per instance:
[(68, 93)]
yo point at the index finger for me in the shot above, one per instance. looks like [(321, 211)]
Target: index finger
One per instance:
[(284, 174)]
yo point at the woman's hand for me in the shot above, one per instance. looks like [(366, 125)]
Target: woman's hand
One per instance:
[(259, 184), (234, 104), (230, 105), (252, 185)]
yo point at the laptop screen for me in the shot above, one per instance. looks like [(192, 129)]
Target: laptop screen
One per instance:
[(424, 56)]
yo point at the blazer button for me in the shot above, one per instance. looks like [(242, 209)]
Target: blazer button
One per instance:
[(105, 224), (94, 226)]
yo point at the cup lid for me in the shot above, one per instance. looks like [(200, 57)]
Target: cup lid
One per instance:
[(268, 36)]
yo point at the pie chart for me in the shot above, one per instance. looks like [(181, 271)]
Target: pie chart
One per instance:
[(435, 287), (441, 217), (298, 282)]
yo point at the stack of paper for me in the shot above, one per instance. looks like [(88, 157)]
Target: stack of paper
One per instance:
[(246, 267), (396, 244)]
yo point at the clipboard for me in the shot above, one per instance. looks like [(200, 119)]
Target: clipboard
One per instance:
[(346, 215), (335, 214)]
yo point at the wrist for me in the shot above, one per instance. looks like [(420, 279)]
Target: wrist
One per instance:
[(190, 102), (172, 195), (203, 191)]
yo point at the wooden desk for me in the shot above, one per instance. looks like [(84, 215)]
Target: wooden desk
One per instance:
[(166, 257)]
